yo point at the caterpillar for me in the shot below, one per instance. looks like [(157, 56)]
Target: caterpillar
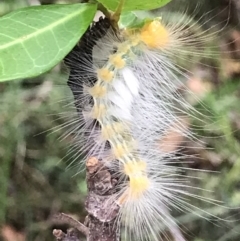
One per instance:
[(125, 87)]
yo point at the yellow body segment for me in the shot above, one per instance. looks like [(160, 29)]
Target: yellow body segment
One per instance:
[(124, 48), (138, 180), (117, 61), (138, 185), (105, 74), (98, 111), (134, 167), (154, 35), (120, 150), (98, 91), (108, 132)]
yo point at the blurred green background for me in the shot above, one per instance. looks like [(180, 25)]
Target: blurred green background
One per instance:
[(36, 180)]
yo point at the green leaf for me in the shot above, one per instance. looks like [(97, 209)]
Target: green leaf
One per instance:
[(131, 5), (127, 19), (35, 39), (134, 19)]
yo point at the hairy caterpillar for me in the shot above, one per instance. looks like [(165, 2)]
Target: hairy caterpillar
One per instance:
[(125, 89)]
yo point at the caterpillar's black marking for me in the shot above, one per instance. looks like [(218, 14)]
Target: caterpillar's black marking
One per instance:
[(79, 60)]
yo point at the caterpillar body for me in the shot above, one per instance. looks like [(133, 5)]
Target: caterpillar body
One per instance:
[(125, 91)]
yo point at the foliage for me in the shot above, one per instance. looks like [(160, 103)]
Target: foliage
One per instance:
[(34, 39), (34, 179), (132, 5)]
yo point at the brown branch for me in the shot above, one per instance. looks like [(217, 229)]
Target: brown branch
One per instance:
[(102, 213), (69, 236), (64, 218)]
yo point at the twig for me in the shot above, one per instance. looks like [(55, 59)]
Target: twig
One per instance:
[(64, 218), (102, 213), (69, 236)]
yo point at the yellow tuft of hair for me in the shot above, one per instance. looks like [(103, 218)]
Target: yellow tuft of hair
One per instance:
[(117, 61), (98, 91), (138, 180), (120, 150), (105, 74), (108, 132), (134, 167), (124, 48), (98, 111), (138, 185), (154, 34)]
